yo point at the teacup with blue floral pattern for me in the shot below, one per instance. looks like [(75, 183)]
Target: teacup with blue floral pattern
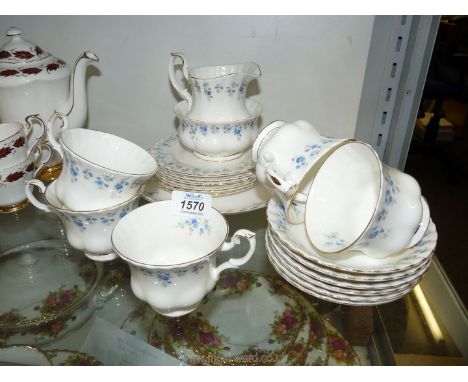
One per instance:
[(172, 258)]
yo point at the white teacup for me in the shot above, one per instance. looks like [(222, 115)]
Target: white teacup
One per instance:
[(18, 141), (357, 203), (88, 231), (100, 170), (12, 179), (173, 258), (287, 155)]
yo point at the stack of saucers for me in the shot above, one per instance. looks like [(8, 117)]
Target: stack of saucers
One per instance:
[(179, 169), (349, 278)]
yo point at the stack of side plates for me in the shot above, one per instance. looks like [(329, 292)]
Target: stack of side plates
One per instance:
[(179, 169), (350, 278)]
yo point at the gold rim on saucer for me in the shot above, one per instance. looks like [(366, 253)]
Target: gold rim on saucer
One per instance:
[(14, 208)]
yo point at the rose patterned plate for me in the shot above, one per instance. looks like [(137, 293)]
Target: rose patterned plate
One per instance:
[(72, 358), (249, 200), (170, 155), (226, 327), (317, 343), (294, 236), (337, 285), (46, 286)]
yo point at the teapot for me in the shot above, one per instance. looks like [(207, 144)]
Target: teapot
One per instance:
[(35, 82), (217, 92)]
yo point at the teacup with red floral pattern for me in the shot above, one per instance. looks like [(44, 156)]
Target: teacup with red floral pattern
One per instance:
[(18, 141)]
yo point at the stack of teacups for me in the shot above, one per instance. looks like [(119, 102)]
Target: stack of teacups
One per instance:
[(217, 126), (338, 211), (102, 178), (21, 159)]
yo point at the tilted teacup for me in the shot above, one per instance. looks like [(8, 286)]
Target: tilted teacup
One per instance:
[(173, 258), (218, 93), (218, 141), (287, 155), (89, 231), (12, 179), (357, 203), (100, 170), (18, 141)]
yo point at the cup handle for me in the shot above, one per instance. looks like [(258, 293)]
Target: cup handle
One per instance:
[(235, 240), (29, 187), (50, 130), (40, 159), (277, 182), (179, 87), (262, 135), (423, 225), (36, 133)]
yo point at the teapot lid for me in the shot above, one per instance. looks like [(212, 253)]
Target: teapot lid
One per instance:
[(20, 51)]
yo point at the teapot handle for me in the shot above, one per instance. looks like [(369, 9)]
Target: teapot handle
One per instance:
[(178, 86), (50, 130)]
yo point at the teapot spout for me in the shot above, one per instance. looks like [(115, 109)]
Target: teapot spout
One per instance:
[(76, 106)]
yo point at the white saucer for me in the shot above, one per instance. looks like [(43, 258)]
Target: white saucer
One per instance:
[(250, 200), (335, 286), (170, 155), (295, 237)]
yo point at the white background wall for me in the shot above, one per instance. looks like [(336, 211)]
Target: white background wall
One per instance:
[(313, 66)]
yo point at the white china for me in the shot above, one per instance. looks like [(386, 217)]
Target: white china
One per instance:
[(218, 141), (100, 170), (333, 297), (357, 203), (87, 230), (35, 82), (211, 190), (173, 258), (287, 155), (217, 92), (347, 280), (171, 156), (251, 199), (336, 285), (12, 179), (296, 238), (17, 141)]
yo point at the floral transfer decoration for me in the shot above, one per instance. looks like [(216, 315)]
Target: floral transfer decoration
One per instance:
[(229, 89), (197, 130), (340, 351), (12, 317), (166, 278), (162, 153), (33, 71), (286, 325), (333, 240), (83, 222), (17, 175), (195, 225), (102, 182), (310, 151), (236, 283), (208, 335), (58, 300)]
